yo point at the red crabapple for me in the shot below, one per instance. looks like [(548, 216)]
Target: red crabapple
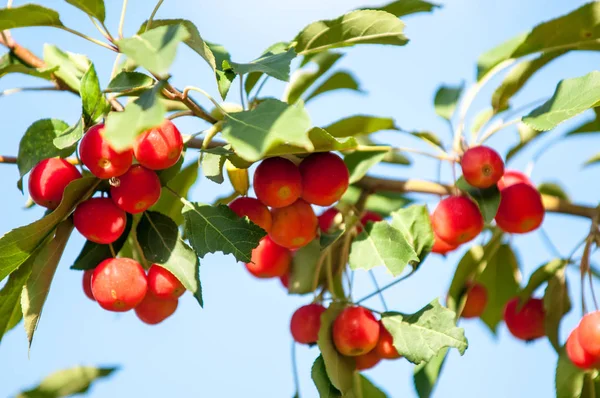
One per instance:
[(153, 310), (476, 300), (589, 333), (294, 226), (512, 177), (324, 178), (87, 284), (327, 219), (367, 361), (306, 322), (528, 322), (385, 345), (137, 191), (100, 220), (269, 260), (277, 182), (457, 220), (521, 209), (482, 167), (355, 331), (160, 147), (97, 155), (440, 246), (48, 180), (578, 356), (119, 284), (163, 284), (252, 208)]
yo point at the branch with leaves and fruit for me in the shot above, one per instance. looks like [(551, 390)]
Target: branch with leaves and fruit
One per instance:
[(121, 175)]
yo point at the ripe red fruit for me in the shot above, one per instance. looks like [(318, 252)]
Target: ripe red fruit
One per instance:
[(476, 300), (137, 191), (457, 220), (521, 209), (98, 156), (48, 180), (355, 331), (385, 345), (159, 148), (153, 310), (482, 167), (252, 208), (100, 220), (294, 226), (324, 178), (285, 280), (440, 246), (512, 177), (528, 323), (277, 182), (578, 356), (163, 284), (327, 218), (306, 322), (87, 284), (368, 216), (367, 361), (269, 260), (119, 284), (589, 333)]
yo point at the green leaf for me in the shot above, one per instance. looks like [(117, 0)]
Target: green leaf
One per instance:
[(360, 125), (212, 229), (94, 8), (401, 8), (321, 380), (426, 374), (420, 336), (553, 189), (9, 63), (37, 144), (223, 72), (446, 99), (380, 202), (526, 136), (572, 97), (359, 163), (304, 267), (159, 239), (170, 205), (415, 224), (339, 368), (556, 305), (94, 253), (28, 15), (68, 138), (71, 67), (67, 382), (43, 269), (130, 83), (368, 389), (212, 167), (481, 119), (338, 81), (254, 133), (501, 278), (95, 106), (542, 274), (302, 80), (382, 244), (275, 64), (569, 378), (517, 77), (488, 199), (592, 126), (10, 297), (488, 60), (592, 161), (155, 49), (429, 138), (357, 27), (140, 115), (322, 142)]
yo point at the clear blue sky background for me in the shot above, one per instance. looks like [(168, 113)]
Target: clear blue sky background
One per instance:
[(239, 345)]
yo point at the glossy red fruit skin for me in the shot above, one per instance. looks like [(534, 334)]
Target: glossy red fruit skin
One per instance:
[(163, 284), (442, 247), (159, 148), (528, 323), (367, 361), (325, 178), (521, 209), (482, 167), (368, 216), (119, 284), (589, 333), (355, 331), (285, 280), (306, 322), (277, 182), (100, 220), (294, 226), (457, 220), (476, 301), (327, 218), (512, 177), (48, 180), (153, 310), (578, 356), (269, 260), (385, 345), (252, 208), (87, 284), (138, 190), (98, 156)]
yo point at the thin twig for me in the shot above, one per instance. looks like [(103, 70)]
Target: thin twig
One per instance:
[(394, 283), (180, 114), (242, 99), (295, 369), (102, 29), (442, 156), (122, 19), (88, 38), (156, 7), (374, 279), (493, 129), (25, 89)]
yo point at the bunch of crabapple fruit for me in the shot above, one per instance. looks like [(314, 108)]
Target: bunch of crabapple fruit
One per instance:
[(118, 284)]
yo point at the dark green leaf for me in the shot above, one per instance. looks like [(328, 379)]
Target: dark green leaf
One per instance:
[(553, 189), (71, 67), (159, 239), (429, 138), (556, 305), (360, 125), (10, 297), (592, 126), (28, 15), (223, 72), (155, 49), (446, 99), (369, 390), (415, 224), (95, 106), (68, 138), (321, 380), (94, 8), (303, 80), (359, 163), (275, 64), (357, 27), (169, 204), (487, 199), (568, 379), (381, 202), (130, 82), (67, 382), (304, 267), (401, 8), (422, 335), (338, 81), (526, 136), (426, 374), (212, 229), (542, 274)]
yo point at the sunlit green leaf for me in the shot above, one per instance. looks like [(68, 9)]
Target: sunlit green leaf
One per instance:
[(338, 81), (556, 304), (446, 99), (67, 382), (401, 8), (359, 162), (28, 15), (568, 379), (94, 8), (69, 67), (360, 125), (302, 80)]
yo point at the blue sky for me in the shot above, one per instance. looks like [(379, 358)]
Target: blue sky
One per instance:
[(239, 344)]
